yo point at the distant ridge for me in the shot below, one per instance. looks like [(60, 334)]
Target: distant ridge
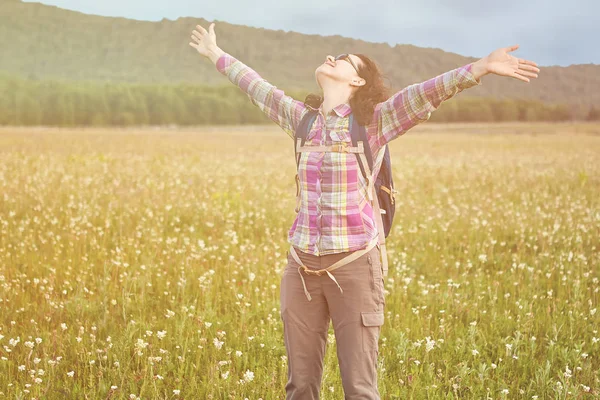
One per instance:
[(40, 41)]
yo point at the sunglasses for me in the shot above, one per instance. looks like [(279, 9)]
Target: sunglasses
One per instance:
[(347, 58)]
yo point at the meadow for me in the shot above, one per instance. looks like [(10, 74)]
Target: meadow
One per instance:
[(145, 263)]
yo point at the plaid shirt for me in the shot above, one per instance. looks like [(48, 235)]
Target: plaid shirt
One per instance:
[(335, 214)]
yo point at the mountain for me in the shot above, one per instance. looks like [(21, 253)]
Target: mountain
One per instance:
[(42, 42)]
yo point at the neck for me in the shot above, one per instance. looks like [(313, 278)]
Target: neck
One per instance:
[(333, 97)]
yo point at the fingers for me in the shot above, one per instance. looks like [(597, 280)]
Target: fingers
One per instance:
[(197, 47), (527, 73), (529, 65), (529, 68), (197, 39), (518, 75), (201, 29), (523, 61), (511, 48), (201, 32), (196, 35)]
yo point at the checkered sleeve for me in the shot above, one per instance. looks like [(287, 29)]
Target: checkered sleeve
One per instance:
[(415, 103), (282, 109)]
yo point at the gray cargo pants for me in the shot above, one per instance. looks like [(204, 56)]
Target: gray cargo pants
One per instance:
[(357, 316)]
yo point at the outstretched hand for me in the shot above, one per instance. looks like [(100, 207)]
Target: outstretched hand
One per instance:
[(499, 62), (204, 41)]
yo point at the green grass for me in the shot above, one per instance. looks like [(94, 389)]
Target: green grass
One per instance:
[(110, 239)]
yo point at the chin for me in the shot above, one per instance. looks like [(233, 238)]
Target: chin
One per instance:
[(317, 76), (320, 74)]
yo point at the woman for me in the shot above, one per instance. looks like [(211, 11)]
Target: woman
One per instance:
[(335, 224)]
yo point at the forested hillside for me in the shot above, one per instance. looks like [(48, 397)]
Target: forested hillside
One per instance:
[(47, 45)]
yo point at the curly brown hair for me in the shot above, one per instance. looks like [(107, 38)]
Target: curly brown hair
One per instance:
[(365, 98)]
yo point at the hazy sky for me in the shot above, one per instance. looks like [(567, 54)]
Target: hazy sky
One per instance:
[(549, 32)]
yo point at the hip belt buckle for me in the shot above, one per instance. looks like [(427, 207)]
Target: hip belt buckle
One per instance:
[(340, 147), (309, 271)]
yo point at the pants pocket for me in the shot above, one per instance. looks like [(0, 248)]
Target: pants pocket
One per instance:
[(372, 322)]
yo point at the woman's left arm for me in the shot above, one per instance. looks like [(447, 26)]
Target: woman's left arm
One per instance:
[(415, 103)]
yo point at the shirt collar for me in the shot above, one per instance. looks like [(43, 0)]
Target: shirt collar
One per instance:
[(341, 110)]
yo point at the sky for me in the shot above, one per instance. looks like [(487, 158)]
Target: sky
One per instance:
[(549, 32)]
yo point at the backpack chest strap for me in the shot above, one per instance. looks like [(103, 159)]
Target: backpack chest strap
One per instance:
[(339, 147), (334, 148)]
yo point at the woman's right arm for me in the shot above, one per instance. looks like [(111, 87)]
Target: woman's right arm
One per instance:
[(282, 109)]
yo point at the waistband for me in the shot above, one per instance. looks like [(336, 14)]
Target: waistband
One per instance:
[(339, 260)]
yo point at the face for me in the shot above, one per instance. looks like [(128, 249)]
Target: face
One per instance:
[(341, 71)]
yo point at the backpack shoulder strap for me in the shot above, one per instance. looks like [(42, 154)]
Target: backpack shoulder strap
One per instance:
[(302, 132), (359, 133)]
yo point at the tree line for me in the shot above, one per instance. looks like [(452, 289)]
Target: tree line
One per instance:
[(53, 103)]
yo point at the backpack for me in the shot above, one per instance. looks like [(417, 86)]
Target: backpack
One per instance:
[(384, 184)]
